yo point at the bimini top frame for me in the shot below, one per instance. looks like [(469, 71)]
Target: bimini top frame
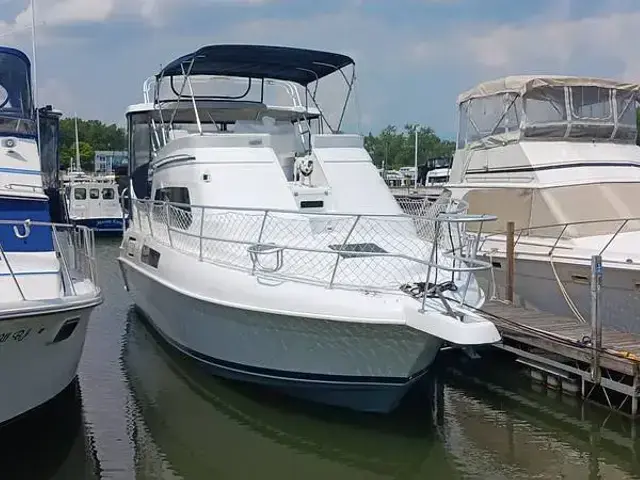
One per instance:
[(261, 62)]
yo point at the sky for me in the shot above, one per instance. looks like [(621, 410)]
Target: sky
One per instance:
[(413, 57)]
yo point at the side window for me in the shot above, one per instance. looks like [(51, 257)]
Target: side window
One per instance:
[(174, 195), (94, 193), (79, 193), (179, 215), (108, 193)]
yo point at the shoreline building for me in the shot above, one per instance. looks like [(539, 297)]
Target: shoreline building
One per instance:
[(107, 161)]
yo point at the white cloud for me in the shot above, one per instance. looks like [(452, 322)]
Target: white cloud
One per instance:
[(68, 12), (56, 13), (588, 45), (58, 94)]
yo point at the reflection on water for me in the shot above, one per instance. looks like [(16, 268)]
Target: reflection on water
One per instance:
[(48, 444), (207, 427), (147, 413)]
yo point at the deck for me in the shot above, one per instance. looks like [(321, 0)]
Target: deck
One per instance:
[(562, 348)]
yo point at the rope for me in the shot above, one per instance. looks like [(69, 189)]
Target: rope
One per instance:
[(565, 294), (493, 277)]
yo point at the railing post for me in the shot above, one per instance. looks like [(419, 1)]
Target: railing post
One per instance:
[(511, 260), (596, 320), (434, 247), (166, 213), (201, 231), (150, 215), (339, 252)]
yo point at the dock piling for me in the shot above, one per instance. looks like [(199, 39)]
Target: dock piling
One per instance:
[(596, 320), (511, 228)]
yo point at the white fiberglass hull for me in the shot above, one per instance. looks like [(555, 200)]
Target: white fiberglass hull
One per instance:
[(536, 285), (39, 353), (363, 366)]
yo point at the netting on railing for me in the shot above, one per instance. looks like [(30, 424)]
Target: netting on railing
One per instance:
[(353, 251), (451, 236)]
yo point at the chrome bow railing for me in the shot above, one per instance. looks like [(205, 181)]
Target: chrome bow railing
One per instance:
[(74, 247), (348, 251)]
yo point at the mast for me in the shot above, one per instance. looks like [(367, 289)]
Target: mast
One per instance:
[(35, 70), (77, 144), (415, 160)]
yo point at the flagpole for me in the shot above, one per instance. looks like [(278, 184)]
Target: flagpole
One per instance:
[(35, 70)]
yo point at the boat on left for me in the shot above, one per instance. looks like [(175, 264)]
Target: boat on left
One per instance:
[(48, 276)]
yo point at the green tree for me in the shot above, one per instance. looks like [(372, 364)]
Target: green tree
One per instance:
[(92, 135), (396, 147)]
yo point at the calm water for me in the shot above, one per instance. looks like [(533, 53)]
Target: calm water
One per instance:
[(140, 412)]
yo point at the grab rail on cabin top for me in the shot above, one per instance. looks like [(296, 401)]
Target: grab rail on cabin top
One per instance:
[(524, 233), (74, 246), (184, 227)]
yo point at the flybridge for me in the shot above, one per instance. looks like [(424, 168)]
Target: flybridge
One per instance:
[(289, 69), (239, 89)]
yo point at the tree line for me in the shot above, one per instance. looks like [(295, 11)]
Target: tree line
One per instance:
[(93, 135), (392, 148)]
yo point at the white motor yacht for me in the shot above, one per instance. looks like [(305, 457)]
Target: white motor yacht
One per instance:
[(265, 245), (557, 156), (47, 271)]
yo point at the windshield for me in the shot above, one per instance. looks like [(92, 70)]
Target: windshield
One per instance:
[(581, 112), (16, 111), (551, 112), (443, 162)]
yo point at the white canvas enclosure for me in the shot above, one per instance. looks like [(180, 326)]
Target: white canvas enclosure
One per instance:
[(503, 111)]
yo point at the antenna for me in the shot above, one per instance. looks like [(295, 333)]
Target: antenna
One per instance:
[(35, 70)]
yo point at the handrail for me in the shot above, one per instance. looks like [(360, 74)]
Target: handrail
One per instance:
[(11, 272), (184, 228), (77, 260), (122, 209), (564, 226)]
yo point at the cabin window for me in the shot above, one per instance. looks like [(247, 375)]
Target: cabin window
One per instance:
[(79, 193), (545, 106), (591, 103), (626, 110), (587, 112), (150, 256), (108, 193), (140, 153), (463, 121), (174, 195), (16, 109), (180, 211), (94, 193), (487, 116)]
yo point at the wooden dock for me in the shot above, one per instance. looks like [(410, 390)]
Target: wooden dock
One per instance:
[(562, 352)]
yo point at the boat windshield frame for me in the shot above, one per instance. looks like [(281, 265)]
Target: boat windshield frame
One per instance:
[(269, 65), (17, 119), (559, 110)]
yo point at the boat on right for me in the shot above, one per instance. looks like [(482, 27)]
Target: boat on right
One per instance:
[(557, 156)]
